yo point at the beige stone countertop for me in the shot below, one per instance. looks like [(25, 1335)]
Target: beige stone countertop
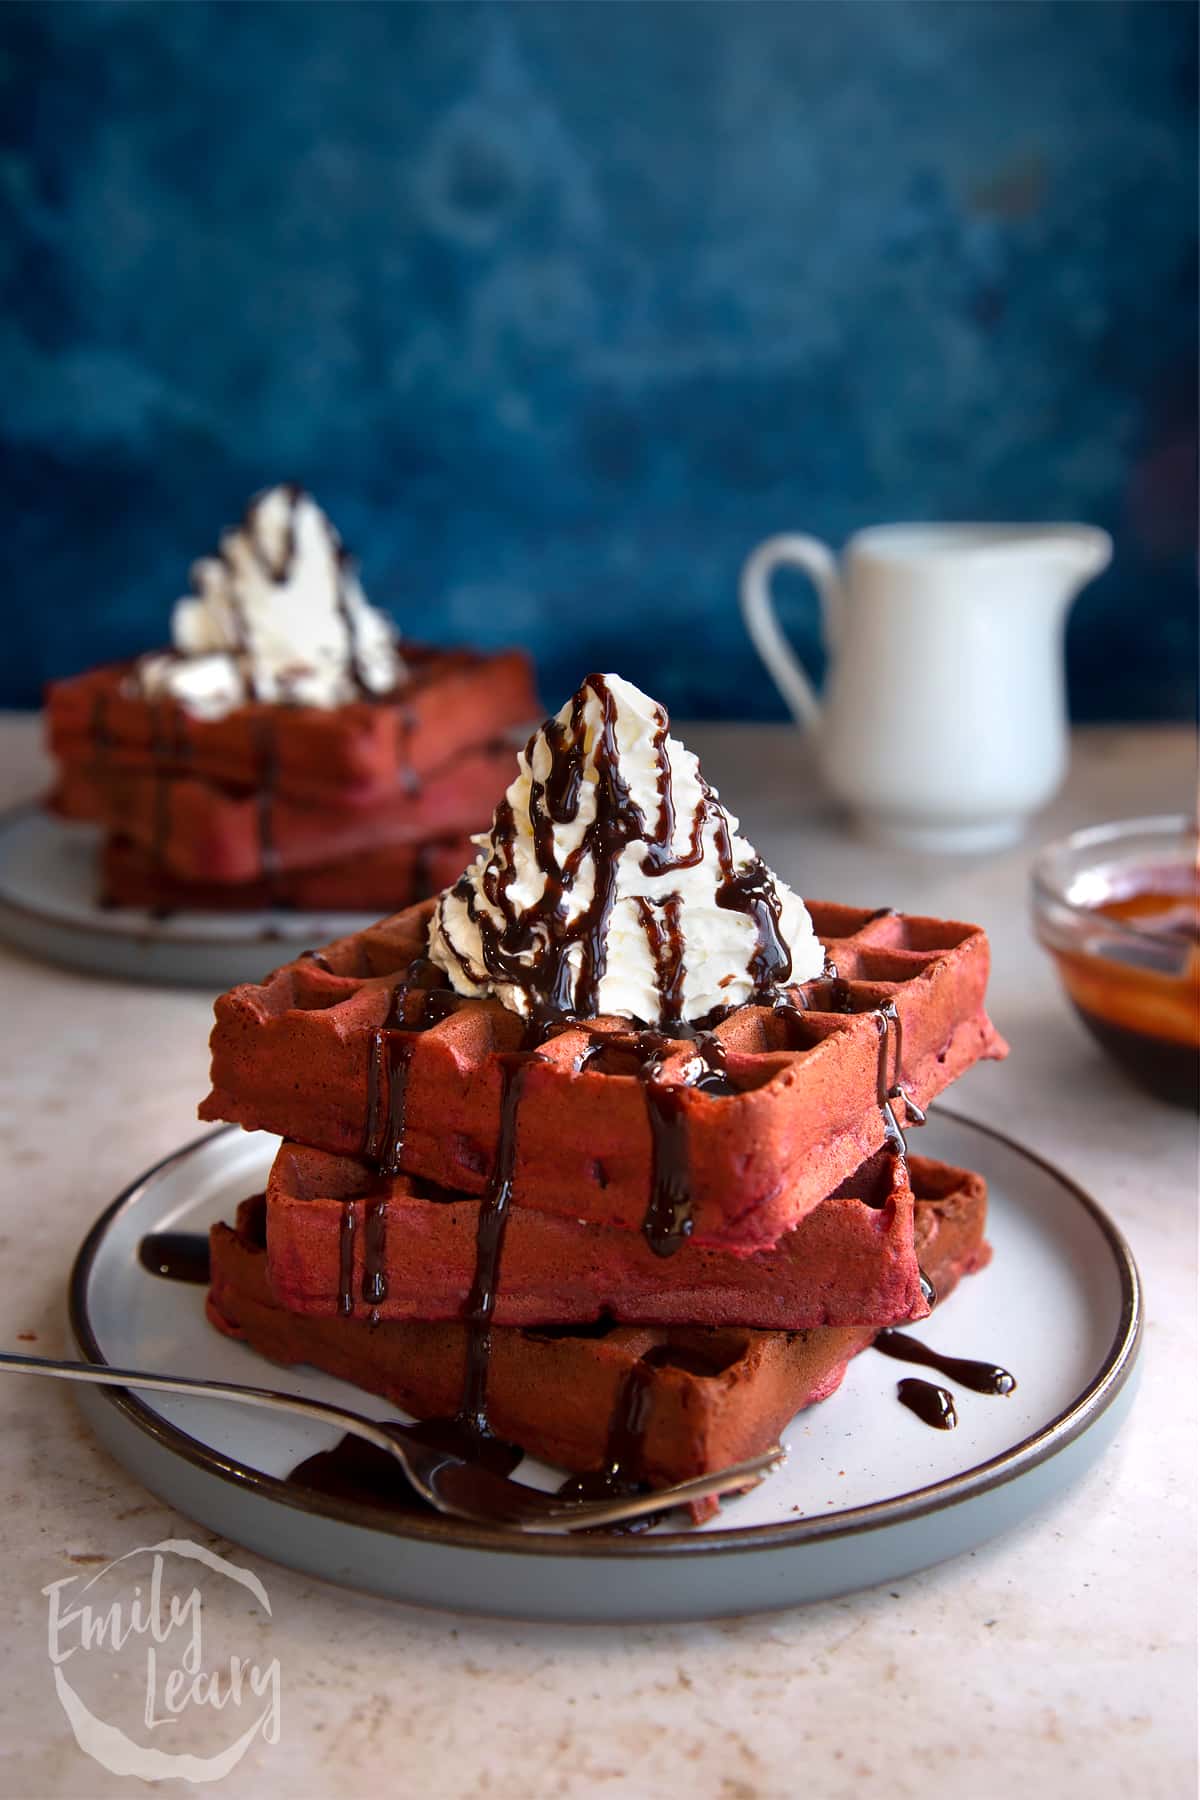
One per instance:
[(1058, 1659)]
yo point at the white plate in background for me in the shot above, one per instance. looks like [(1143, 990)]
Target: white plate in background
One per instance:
[(48, 907)]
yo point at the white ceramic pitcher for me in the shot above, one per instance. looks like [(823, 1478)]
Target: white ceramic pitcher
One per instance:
[(943, 724)]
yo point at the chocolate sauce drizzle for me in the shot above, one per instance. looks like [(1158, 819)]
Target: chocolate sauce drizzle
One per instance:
[(346, 1239), (559, 965), (489, 1246), (389, 1054)]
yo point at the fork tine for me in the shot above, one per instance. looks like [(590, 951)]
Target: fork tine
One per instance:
[(736, 1478), (474, 1493)]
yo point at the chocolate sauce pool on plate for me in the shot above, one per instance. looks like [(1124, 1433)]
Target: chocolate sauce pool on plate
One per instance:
[(980, 1377), (932, 1405), (362, 1472), (176, 1255)]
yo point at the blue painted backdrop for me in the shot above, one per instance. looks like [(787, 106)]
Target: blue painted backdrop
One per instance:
[(558, 308)]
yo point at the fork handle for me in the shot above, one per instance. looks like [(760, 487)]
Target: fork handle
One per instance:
[(107, 1375)]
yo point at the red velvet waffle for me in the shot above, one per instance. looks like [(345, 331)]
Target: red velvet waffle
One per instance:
[(195, 831), (706, 1398), (341, 1240), (454, 698), (303, 1055), (366, 883)]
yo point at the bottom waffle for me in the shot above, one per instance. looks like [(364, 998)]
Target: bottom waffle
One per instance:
[(366, 882), (653, 1405)]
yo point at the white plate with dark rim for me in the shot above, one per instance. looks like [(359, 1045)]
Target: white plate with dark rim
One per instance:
[(868, 1494), (48, 906)]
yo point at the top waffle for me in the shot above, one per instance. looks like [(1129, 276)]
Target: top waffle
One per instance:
[(454, 699), (339, 1050)]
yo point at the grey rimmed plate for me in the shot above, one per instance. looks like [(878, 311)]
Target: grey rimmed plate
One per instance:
[(48, 907), (868, 1494)]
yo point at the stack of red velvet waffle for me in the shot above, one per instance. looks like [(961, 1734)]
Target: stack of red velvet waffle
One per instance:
[(354, 807), (633, 1254)]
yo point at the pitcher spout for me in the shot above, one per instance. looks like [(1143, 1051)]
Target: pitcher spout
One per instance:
[(1077, 552)]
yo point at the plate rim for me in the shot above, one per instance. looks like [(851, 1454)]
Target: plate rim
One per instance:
[(141, 927), (1093, 1400)]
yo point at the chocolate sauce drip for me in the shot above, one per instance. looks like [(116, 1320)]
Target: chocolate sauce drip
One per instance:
[(841, 998), (176, 1255), (916, 1115), (980, 1377), (532, 947), (396, 1052), (489, 1247), (665, 829), (622, 1470), (928, 1291), (752, 891), (661, 921), (392, 1047), (932, 1405), (389, 1054), (668, 1221), (318, 959), (374, 1282), (886, 1091), (346, 1237)]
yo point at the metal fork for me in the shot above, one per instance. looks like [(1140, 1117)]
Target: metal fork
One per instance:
[(451, 1483)]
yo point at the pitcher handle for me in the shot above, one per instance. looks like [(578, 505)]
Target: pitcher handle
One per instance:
[(819, 564)]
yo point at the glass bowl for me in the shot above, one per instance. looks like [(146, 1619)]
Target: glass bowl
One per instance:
[(1118, 907)]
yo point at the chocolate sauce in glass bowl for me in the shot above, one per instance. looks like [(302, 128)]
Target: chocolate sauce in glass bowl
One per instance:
[(1118, 906), (1143, 1006)]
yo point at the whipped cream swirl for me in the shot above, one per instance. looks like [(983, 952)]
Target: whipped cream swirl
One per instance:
[(277, 615), (613, 881)]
